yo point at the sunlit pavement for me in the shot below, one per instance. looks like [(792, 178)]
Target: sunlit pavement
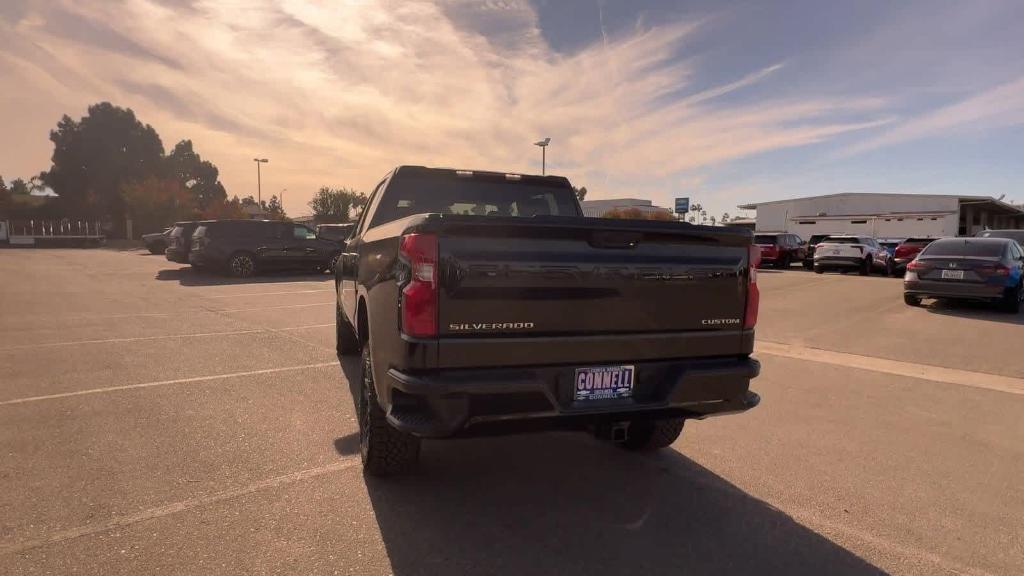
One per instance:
[(153, 420)]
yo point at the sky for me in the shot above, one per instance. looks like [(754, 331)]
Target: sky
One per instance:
[(722, 102)]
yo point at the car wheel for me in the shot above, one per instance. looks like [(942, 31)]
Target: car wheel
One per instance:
[(808, 265), (242, 265), (890, 268), (1012, 300), (784, 263), (865, 267), (383, 449), (819, 270), (155, 250), (346, 342), (911, 300), (652, 434)]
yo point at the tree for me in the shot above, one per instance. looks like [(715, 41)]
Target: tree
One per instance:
[(5, 198), (95, 158), (155, 203), (20, 187), (335, 204), (198, 176), (581, 193), (274, 209), (637, 214), (232, 209)]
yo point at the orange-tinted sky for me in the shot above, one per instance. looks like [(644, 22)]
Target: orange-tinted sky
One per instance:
[(336, 93)]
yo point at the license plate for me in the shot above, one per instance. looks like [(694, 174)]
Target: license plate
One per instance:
[(835, 252), (952, 274), (604, 382)]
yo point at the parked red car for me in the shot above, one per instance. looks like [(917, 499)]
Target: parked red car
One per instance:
[(780, 250), (908, 250)]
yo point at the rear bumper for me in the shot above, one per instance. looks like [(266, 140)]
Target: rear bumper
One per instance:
[(952, 289), (839, 261), (178, 255), (473, 402)]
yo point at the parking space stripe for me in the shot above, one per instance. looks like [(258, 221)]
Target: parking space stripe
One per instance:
[(165, 383), (161, 337), (266, 293), (895, 367), (275, 307), (183, 506)]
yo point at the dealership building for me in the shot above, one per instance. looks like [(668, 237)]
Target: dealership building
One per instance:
[(598, 208), (886, 215)]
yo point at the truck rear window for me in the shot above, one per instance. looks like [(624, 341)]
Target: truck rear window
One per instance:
[(765, 239), (475, 195)]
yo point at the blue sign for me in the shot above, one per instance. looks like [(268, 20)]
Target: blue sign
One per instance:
[(682, 205)]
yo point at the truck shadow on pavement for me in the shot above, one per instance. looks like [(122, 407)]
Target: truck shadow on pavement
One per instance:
[(565, 503), (190, 277)]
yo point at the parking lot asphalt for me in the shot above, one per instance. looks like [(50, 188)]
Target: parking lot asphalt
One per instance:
[(157, 421)]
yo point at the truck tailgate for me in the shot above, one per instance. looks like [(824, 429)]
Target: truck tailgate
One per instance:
[(578, 277)]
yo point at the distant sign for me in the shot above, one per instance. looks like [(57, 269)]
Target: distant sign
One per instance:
[(682, 205)]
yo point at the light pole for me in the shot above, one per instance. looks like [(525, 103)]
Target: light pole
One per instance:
[(543, 154), (259, 191)]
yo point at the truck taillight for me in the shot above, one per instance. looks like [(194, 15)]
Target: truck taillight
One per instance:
[(419, 296), (753, 294)]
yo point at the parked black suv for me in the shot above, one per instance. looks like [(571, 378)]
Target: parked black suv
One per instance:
[(812, 243), (244, 247), (179, 241), (335, 232)]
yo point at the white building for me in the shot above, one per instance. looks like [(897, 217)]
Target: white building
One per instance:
[(886, 215), (598, 208)]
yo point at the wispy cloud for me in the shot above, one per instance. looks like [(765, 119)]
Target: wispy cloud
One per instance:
[(1002, 106), (339, 92)]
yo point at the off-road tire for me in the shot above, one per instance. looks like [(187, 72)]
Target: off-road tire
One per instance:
[(242, 265), (384, 450), (346, 343), (911, 300), (646, 435)]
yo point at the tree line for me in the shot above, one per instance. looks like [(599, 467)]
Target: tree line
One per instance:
[(110, 166)]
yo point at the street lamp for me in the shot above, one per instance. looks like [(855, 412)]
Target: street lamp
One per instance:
[(543, 154), (259, 191)]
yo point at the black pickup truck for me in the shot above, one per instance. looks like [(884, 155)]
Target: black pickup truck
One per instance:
[(485, 303)]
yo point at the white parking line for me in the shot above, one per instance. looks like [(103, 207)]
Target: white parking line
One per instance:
[(923, 371), (164, 383), (266, 293), (184, 505), (274, 307), (162, 337)]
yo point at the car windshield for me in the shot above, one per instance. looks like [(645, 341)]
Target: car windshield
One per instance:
[(765, 239), (918, 241), (177, 231), (817, 238), (841, 240), (965, 247)]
